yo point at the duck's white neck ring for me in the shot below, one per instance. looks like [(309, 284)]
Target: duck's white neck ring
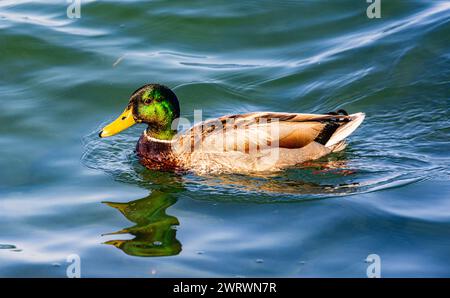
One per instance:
[(157, 140)]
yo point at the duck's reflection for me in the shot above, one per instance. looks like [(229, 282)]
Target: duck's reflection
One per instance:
[(320, 178), (155, 230)]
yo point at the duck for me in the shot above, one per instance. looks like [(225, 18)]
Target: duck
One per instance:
[(253, 142)]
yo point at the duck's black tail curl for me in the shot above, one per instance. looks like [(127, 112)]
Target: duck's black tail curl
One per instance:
[(331, 125), (339, 112)]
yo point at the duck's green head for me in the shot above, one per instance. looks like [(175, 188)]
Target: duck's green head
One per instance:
[(153, 104)]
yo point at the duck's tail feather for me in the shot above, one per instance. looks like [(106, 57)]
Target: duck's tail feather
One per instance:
[(338, 147), (346, 129)]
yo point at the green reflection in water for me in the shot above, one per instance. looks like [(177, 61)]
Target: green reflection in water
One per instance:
[(155, 231)]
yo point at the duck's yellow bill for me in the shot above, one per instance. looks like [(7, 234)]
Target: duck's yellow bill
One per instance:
[(124, 121)]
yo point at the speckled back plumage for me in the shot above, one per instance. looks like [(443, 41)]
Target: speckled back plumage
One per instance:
[(300, 137)]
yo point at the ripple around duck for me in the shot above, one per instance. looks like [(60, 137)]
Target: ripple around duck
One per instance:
[(354, 171)]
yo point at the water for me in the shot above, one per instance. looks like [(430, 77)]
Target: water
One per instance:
[(63, 191)]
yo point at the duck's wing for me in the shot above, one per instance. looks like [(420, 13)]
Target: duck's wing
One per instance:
[(261, 129)]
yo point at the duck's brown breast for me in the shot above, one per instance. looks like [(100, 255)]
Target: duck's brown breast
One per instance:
[(157, 155)]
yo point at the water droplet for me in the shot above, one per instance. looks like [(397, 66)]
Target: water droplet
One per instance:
[(259, 261), (157, 243), (200, 252)]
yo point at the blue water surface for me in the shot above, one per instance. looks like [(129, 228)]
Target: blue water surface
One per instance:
[(64, 191)]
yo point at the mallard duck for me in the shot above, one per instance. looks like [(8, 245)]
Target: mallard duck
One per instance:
[(251, 142)]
